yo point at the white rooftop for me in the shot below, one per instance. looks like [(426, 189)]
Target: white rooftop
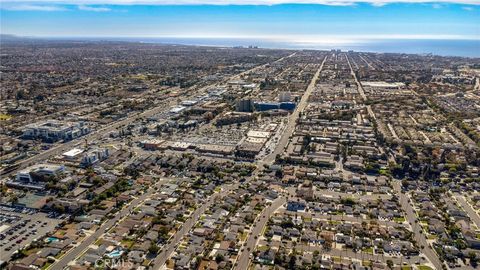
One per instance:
[(72, 153), (383, 84), (258, 134)]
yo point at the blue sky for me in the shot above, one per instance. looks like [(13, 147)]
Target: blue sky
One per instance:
[(341, 19)]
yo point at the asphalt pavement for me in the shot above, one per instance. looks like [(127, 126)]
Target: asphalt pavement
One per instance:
[(334, 252), (167, 250), (251, 242), (244, 259), (418, 233), (292, 120), (97, 134), (75, 252), (469, 209)]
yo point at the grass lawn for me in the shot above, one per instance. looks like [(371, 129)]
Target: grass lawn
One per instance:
[(138, 77), (384, 172), (264, 229), (367, 263), (99, 242), (432, 237), (127, 242), (399, 219), (31, 251), (4, 117), (59, 254), (262, 248), (244, 236), (424, 267), (46, 265), (406, 268), (368, 250)]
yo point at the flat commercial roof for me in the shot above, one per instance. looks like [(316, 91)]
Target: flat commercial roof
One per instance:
[(258, 134), (183, 145), (73, 152), (153, 141), (383, 84), (252, 85), (4, 227), (177, 109), (256, 140), (189, 102)]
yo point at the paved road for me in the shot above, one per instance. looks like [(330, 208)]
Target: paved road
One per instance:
[(404, 201), (350, 219), (251, 242), (469, 209), (292, 121), (359, 85), (19, 234), (418, 233), (71, 255), (57, 150), (175, 240), (361, 255), (168, 249), (235, 77), (243, 260), (360, 90), (355, 196), (367, 62), (95, 135)]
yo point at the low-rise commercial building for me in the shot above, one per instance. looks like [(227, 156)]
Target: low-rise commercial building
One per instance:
[(53, 130)]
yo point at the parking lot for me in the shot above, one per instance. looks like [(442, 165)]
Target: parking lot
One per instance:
[(6, 219), (22, 227)]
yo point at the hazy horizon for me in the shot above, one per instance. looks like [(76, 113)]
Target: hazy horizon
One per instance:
[(441, 47)]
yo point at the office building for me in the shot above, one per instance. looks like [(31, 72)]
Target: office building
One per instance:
[(284, 96), (244, 105)]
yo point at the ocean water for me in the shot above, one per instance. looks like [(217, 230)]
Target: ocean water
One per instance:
[(463, 48)]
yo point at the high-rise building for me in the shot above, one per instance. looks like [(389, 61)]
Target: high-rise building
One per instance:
[(244, 105), (284, 96)]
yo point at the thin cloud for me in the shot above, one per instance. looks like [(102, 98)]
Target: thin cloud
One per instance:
[(94, 9), (378, 4), (31, 7), (239, 2), (327, 38)]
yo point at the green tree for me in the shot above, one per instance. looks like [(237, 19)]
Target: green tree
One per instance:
[(390, 264), (153, 249)]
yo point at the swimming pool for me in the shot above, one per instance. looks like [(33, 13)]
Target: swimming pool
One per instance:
[(51, 239), (115, 254)]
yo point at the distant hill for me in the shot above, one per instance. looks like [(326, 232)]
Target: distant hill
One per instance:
[(5, 37), (13, 38), (9, 37)]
